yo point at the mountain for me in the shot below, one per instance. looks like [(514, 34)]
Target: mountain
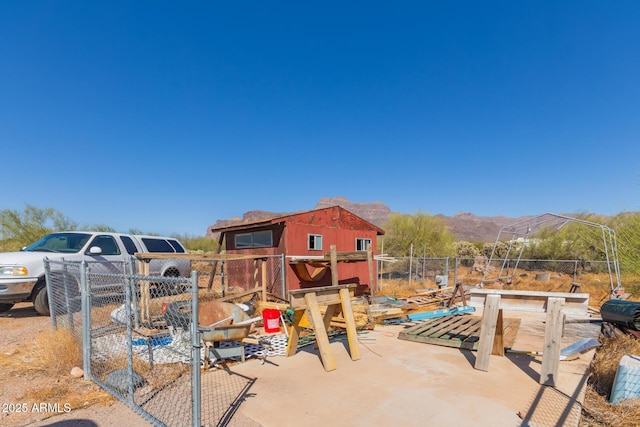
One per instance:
[(463, 225)]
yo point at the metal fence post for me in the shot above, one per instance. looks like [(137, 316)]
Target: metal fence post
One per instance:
[(128, 307), (134, 295), (86, 321), (67, 297), (283, 274), (195, 354), (47, 279)]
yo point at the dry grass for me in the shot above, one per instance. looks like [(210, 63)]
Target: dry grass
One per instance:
[(52, 355), (598, 412), (53, 352)]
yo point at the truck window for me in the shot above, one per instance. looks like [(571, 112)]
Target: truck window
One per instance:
[(176, 246), (107, 244), (129, 245), (157, 245)]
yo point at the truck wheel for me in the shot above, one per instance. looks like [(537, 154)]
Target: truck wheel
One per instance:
[(41, 298), (169, 288), (4, 307)]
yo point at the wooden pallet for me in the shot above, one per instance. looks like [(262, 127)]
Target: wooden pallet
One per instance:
[(453, 331)]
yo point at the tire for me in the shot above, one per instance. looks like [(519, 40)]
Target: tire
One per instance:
[(4, 307), (41, 298), (178, 314)]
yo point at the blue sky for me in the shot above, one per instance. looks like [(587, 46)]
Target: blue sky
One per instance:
[(167, 116)]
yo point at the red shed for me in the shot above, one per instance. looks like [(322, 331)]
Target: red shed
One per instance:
[(305, 234)]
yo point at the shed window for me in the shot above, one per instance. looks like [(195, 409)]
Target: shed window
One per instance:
[(256, 239), (315, 242), (361, 244)]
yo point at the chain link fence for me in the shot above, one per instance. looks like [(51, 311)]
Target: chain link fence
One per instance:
[(141, 343), (420, 272), (237, 275)]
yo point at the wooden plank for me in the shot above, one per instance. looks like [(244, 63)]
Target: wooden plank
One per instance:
[(294, 333), (487, 331), (460, 322), (196, 257), (322, 338), (346, 256), (465, 330), (350, 323), (534, 301), (552, 342), (326, 295), (498, 341)]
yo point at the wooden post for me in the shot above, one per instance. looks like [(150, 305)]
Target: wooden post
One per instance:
[(487, 331), (256, 270), (264, 280), (552, 341), (371, 275), (145, 293), (334, 266), (214, 267)]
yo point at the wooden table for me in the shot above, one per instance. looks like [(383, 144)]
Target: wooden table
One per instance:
[(336, 298)]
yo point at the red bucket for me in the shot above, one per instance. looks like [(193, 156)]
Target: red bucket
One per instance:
[(271, 319)]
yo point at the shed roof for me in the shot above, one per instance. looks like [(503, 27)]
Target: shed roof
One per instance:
[(280, 218)]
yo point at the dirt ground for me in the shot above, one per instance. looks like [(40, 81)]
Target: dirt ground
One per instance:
[(20, 390), (395, 382)]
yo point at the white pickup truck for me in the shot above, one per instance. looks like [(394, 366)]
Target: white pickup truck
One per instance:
[(22, 274)]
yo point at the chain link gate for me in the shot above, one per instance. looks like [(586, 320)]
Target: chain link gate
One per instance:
[(153, 368)]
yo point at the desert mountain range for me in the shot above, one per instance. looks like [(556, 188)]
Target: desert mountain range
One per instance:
[(463, 225)]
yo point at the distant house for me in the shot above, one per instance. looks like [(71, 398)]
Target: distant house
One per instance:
[(305, 234)]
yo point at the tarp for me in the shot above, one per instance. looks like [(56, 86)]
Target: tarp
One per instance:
[(621, 312)]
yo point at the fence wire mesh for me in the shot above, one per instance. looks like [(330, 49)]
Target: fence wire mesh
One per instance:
[(139, 342), (419, 272), (233, 276)]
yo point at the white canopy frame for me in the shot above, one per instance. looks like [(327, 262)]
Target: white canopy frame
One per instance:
[(525, 228)]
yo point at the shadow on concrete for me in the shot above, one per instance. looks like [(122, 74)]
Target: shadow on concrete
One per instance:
[(524, 363), (551, 406)]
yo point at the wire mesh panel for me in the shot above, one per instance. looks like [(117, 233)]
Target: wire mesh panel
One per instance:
[(244, 274), (63, 292)]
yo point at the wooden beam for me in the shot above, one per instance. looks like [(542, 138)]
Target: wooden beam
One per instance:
[(196, 257), (487, 331), (535, 301), (334, 266), (214, 267), (498, 340), (347, 256), (350, 324), (552, 342), (322, 338), (326, 295)]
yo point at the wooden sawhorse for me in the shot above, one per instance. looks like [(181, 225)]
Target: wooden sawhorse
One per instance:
[(336, 298)]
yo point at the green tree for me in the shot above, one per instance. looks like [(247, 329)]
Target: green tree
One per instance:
[(427, 233), (628, 236), (22, 228), (198, 243)]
